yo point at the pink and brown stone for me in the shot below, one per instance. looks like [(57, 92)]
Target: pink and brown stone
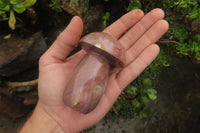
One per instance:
[(89, 78)]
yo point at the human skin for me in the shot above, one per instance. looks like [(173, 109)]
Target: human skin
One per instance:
[(51, 115)]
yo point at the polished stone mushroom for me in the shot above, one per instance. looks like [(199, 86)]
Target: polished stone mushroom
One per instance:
[(104, 56)]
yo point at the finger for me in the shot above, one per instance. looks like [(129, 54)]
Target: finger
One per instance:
[(124, 23), (66, 41), (150, 37), (129, 73), (141, 27)]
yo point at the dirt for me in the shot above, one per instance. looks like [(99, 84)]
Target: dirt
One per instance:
[(11, 48)]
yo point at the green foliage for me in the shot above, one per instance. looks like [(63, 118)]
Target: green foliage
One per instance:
[(134, 99), (135, 4), (136, 96), (182, 9), (163, 59), (180, 34), (195, 13), (12, 20), (56, 5), (190, 48), (18, 6), (195, 47), (7, 36), (181, 14), (105, 18)]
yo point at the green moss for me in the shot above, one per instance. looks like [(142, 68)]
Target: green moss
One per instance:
[(135, 4), (105, 18), (56, 5)]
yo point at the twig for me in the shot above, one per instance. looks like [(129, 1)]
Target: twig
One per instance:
[(197, 76), (123, 94), (20, 84), (114, 109), (170, 42), (4, 19)]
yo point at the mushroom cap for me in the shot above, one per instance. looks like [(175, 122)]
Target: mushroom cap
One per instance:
[(105, 45)]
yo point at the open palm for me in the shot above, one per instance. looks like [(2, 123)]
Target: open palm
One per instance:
[(141, 32)]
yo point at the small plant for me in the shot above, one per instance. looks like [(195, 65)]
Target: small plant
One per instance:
[(134, 99), (105, 18), (7, 36), (8, 7), (134, 4), (191, 48), (180, 15), (55, 5)]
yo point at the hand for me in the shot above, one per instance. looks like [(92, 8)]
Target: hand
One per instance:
[(141, 32)]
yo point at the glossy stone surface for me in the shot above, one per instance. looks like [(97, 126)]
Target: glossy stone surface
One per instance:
[(88, 81), (106, 45)]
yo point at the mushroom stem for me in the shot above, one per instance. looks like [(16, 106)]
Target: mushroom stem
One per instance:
[(105, 56), (87, 84)]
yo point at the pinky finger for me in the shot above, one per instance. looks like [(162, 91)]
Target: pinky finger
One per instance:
[(130, 72)]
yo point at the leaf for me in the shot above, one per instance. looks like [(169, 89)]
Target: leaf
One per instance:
[(19, 9), (6, 8), (144, 99), (106, 16), (131, 90), (136, 103), (152, 91), (152, 94), (14, 2), (6, 2), (147, 83), (12, 20), (3, 14), (134, 5), (7, 36), (2, 5), (28, 3)]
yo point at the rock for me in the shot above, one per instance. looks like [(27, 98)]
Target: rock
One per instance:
[(75, 7), (11, 107), (92, 19), (195, 27), (18, 54)]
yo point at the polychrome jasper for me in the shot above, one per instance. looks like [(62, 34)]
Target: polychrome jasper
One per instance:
[(104, 56)]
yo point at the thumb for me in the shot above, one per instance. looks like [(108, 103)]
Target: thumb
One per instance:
[(65, 42)]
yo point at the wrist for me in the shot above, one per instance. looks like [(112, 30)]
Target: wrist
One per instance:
[(41, 122)]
